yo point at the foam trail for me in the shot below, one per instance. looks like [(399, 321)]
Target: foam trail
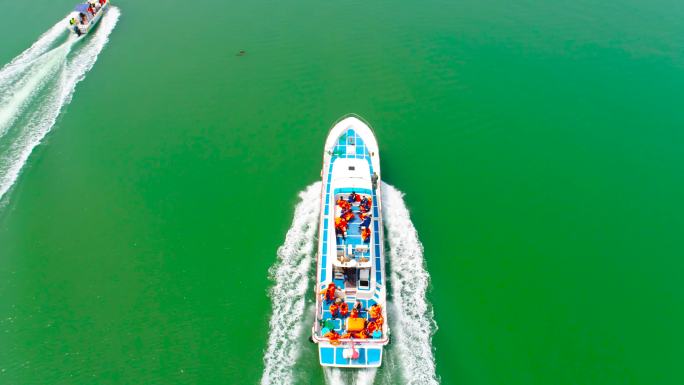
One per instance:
[(37, 84), (413, 321), (333, 376), (336, 376), (290, 275), (33, 79), (365, 376), (42, 45)]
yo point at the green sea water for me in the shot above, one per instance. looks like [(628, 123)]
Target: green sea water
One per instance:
[(539, 145)]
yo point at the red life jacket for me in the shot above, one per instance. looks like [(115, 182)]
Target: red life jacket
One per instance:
[(344, 309), (375, 311), (330, 293)]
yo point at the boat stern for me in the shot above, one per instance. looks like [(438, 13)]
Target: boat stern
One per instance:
[(342, 356)]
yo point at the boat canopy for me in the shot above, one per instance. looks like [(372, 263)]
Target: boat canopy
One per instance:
[(82, 8)]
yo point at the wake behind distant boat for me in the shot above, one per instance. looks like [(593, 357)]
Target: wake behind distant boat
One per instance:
[(351, 319), (86, 16)]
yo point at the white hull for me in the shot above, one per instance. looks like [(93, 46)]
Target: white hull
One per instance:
[(354, 263), (86, 28)]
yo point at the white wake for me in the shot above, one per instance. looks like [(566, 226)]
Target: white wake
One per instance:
[(291, 276), (35, 86), (335, 376), (412, 319)]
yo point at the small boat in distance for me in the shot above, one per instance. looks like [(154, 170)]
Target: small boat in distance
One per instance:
[(350, 327), (86, 15)]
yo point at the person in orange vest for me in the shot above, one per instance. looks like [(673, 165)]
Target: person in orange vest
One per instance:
[(354, 313), (366, 204), (344, 309), (361, 335), (341, 227), (365, 234), (333, 310), (330, 292), (375, 312), (343, 203), (347, 215), (333, 336), (371, 327)]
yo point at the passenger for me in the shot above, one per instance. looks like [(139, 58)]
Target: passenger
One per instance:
[(375, 312), (366, 221), (343, 203), (354, 313), (90, 9), (353, 197), (371, 327), (84, 20), (347, 215), (333, 336), (365, 235), (333, 310), (361, 335), (365, 205), (358, 306), (330, 292), (341, 227), (344, 309)]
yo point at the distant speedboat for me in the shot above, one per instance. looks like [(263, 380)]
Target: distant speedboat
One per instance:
[(86, 15), (351, 317)]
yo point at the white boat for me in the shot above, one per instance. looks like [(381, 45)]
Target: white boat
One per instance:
[(82, 20), (350, 261)]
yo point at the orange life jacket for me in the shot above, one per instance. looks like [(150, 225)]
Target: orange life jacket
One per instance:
[(365, 234), (361, 335), (354, 314), (370, 328), (330, 293), (344, 309), (333, 336), (379, 321), (375, 311), (333, 309)]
